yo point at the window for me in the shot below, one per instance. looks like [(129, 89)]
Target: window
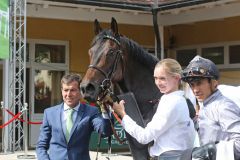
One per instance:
[(185, 56), (47, 89), (234, 54), (45, 53), (47, 62), (226, 55), (215, 54)]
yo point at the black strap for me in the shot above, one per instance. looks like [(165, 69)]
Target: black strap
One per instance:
[(191, 109)]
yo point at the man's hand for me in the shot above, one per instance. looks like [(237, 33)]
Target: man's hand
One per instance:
[(119, 108)]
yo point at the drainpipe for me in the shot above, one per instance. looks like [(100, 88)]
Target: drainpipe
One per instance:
[(156, 30)]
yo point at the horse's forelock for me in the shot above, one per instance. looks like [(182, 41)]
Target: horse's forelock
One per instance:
[(101, 36), (99, 40)]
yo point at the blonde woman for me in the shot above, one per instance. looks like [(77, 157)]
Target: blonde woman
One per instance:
[(171, 127)]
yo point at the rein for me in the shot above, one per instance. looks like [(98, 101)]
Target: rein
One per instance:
[(105, 105)]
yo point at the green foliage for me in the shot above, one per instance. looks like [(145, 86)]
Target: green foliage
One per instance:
[(4, 40), (3, 5), (4, 45)]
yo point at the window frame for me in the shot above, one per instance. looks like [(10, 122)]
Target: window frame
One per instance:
[(225, 45)]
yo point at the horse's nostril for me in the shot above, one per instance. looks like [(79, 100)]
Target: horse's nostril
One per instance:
[(88, 91), (87, 88), (90, 87)]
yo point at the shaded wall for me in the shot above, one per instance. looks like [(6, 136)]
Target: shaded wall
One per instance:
[(223, 30)]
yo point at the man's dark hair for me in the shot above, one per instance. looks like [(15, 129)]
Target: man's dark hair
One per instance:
[(69, 78)]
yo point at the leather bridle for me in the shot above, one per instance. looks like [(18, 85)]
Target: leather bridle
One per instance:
[(106, 83)]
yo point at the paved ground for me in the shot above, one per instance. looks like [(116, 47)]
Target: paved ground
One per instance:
[(31, 155)]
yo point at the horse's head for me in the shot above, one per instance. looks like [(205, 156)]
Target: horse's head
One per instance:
[(106, 62)]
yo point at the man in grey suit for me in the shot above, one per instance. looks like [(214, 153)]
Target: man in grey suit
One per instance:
[(67, 127)]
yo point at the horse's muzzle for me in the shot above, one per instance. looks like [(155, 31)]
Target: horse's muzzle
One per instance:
[(89, 91)]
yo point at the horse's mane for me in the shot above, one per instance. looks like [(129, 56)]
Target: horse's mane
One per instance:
[(135, 50), (139, 53)]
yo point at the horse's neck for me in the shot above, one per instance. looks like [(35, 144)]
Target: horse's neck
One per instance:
[(139, 80), (120, 87), (135, 73)]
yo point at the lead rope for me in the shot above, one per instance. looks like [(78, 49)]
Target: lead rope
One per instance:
[(98, 144), (111, 123), (109, 147)]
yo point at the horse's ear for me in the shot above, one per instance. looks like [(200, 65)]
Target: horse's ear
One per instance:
[(97, 27), (114, 26)]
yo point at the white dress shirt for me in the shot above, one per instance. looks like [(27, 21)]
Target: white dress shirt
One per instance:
[(171, 127)]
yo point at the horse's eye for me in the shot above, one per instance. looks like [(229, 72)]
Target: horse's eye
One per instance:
[(110, 52)]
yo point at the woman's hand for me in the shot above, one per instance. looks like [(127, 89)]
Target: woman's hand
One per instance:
[(119, 108)]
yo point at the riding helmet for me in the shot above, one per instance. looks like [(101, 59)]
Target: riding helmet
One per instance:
[(200, 68)]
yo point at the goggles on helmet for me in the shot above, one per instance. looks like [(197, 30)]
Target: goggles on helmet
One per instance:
[(196, 71)]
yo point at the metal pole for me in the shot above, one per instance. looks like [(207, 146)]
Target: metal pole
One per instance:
[(3, 130), (25, 105), (156, 30), (25, 130), (6, 149)]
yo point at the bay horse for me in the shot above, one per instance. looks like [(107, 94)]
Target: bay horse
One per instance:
[(129, 68)]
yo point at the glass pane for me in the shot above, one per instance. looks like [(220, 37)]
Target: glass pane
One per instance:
[(45, 53), (234, 54), (47, 89), (185, 56), (215, 54)]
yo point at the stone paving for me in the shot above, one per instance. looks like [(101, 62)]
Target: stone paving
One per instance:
[(32, 155)]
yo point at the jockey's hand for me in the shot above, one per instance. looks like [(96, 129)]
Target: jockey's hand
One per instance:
[(119, 108)]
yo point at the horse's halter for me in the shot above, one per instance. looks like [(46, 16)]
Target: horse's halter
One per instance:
[(106, 83)]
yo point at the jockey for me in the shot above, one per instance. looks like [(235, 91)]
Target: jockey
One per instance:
[(218, 117)]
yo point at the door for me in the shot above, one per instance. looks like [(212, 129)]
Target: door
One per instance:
[(47, 64)]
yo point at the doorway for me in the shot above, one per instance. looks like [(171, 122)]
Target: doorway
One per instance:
[(47, 62)]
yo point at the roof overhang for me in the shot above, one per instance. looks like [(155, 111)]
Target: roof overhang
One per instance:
[(170, 12)]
